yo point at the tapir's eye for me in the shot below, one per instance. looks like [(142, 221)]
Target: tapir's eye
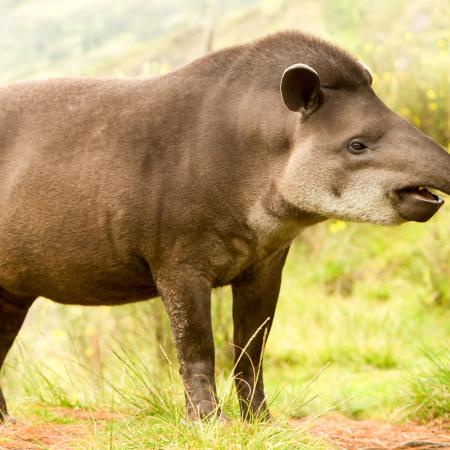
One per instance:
[(356, 147)]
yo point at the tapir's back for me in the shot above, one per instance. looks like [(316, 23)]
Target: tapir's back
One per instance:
[(73, 113), (73, 153)]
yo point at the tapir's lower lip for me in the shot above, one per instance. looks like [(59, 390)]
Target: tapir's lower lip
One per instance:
[(417, 203)]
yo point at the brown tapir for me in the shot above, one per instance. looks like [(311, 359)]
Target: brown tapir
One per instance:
[(119, 190)]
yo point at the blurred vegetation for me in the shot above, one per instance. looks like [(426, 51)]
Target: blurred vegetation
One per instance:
[(369, 303), (406, 43), (49, 37)]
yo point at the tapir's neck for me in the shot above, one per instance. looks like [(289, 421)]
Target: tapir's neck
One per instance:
[(284, 211), (277, 222)]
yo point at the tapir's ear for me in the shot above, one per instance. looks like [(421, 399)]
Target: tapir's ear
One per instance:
[(367, 71), (300, 88)]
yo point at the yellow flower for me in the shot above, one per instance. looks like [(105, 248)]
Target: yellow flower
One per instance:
[(431, 94), (165, 68), (432, 106), (405, 112), (89, 331), (408, 36), (367, 47), (387, 76), (89, 351), (337, 226), (416, 120), (441, 43), (57, 335)]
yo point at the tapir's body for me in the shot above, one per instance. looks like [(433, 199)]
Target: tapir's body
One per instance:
[(114, 191), (108, 175)]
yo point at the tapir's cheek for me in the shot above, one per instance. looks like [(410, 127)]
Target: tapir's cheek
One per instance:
[(332, 191)]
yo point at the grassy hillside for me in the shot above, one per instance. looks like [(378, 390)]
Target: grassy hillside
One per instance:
[(51, 37)]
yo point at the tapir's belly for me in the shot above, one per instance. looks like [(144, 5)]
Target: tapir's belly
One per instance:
[(79, 278), (106, 296)]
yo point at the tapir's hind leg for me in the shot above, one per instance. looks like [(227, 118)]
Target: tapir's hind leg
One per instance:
[(254, 301), (13, 310)]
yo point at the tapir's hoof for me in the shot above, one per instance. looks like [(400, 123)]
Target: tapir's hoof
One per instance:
[(260, 416), (214, 416)]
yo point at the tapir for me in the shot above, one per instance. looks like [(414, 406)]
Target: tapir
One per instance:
[(120, 190)]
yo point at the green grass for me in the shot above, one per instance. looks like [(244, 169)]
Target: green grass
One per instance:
[(165, 432), (147, 411), (159, 419), (429, 387)]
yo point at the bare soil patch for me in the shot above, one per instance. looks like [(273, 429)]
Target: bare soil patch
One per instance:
[(350, 434), (51, 436), (31, 436)]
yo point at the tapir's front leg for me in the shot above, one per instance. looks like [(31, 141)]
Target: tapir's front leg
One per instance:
[(186, 294), (254, 301)]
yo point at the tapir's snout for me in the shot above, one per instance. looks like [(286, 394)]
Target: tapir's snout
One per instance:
[(429, 168)]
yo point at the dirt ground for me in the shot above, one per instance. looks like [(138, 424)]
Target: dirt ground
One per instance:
[(342, 432), (33, 436), (351, 434)]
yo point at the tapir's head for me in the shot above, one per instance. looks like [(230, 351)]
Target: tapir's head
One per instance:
[(353, 158)]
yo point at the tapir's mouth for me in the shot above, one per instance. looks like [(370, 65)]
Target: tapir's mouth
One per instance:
[(417, 203), (422, 194)]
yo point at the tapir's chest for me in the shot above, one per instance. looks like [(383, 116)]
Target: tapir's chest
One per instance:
[(241, 254)]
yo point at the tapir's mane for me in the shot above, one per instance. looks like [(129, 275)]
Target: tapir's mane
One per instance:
[(268, 57)]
